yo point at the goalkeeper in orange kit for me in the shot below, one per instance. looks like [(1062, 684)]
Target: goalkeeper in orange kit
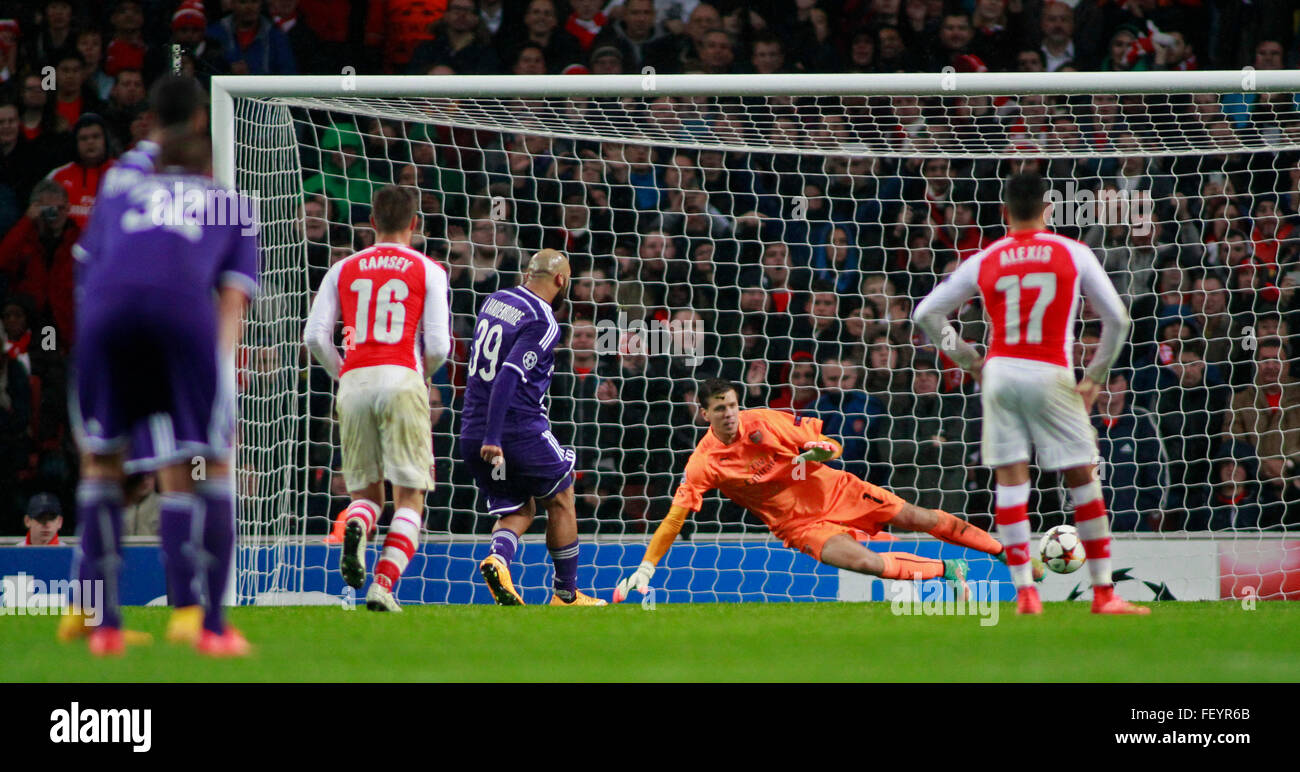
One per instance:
[(772, 463)]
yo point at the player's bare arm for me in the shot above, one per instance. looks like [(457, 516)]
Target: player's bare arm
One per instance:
[(664, 536)]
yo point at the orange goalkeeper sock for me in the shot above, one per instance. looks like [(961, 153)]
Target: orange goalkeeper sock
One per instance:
[(905, 565), (954, 530)]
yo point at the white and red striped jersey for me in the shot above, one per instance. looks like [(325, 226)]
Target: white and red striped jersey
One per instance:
[(391, 299), (1030, 284)]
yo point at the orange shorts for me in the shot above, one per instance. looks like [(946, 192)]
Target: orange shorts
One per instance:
[(861, 519)]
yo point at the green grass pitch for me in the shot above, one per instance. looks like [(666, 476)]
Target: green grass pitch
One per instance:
[(812, 642)]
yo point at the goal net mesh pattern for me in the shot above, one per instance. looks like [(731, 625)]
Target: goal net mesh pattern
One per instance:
[(797, 233)]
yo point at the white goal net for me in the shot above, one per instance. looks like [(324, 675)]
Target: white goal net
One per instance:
[(795, 221)]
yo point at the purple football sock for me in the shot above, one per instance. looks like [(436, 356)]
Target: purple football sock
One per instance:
[(566, 570), (218, 546), (504, 543), (176, 531), (99, 519)]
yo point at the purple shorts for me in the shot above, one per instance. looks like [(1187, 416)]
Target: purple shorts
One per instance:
[(147, 382), (535, 467)]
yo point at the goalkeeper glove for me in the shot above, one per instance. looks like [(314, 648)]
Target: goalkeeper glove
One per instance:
[(638, 580), (816, 451)]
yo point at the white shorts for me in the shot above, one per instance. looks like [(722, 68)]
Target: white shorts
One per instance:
[(384, 425), (1034, 405)]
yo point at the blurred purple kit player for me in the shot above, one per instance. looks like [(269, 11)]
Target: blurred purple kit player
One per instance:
[(147, 365)]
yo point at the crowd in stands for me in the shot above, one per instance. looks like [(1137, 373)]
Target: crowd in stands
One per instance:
[(807, 310)]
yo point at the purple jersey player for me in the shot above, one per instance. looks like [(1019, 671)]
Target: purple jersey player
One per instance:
[(146, 348), (160, 299), (505, 438)]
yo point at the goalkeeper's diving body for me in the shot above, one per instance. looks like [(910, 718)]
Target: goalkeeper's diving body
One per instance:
[(773, 464)]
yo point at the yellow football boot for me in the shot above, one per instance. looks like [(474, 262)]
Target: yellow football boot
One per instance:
[(497, 575), (578, 600), (185, 625), (72, 627)]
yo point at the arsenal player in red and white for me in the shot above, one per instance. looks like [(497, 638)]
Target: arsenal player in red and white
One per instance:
[(1030, 284), (394, 304)]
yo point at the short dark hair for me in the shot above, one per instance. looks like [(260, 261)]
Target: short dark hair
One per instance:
[(175, 99), (1211, 275), (1024, 195), (1270, 316), (714, 387), (766, 38), (70, 53), (48, 187), (1035, 52), (392, 208), (1270, 341), (1193, 346)]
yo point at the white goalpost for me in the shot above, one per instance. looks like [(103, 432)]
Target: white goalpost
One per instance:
[(793, 220)]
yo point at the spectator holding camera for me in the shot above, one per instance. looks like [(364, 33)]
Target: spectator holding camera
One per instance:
[(36, 255)]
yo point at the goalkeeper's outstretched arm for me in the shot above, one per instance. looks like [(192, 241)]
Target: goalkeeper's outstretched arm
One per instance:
[(662, 540)]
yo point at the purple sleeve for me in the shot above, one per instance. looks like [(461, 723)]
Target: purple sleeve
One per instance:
[(503, 394), (140, 158)]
